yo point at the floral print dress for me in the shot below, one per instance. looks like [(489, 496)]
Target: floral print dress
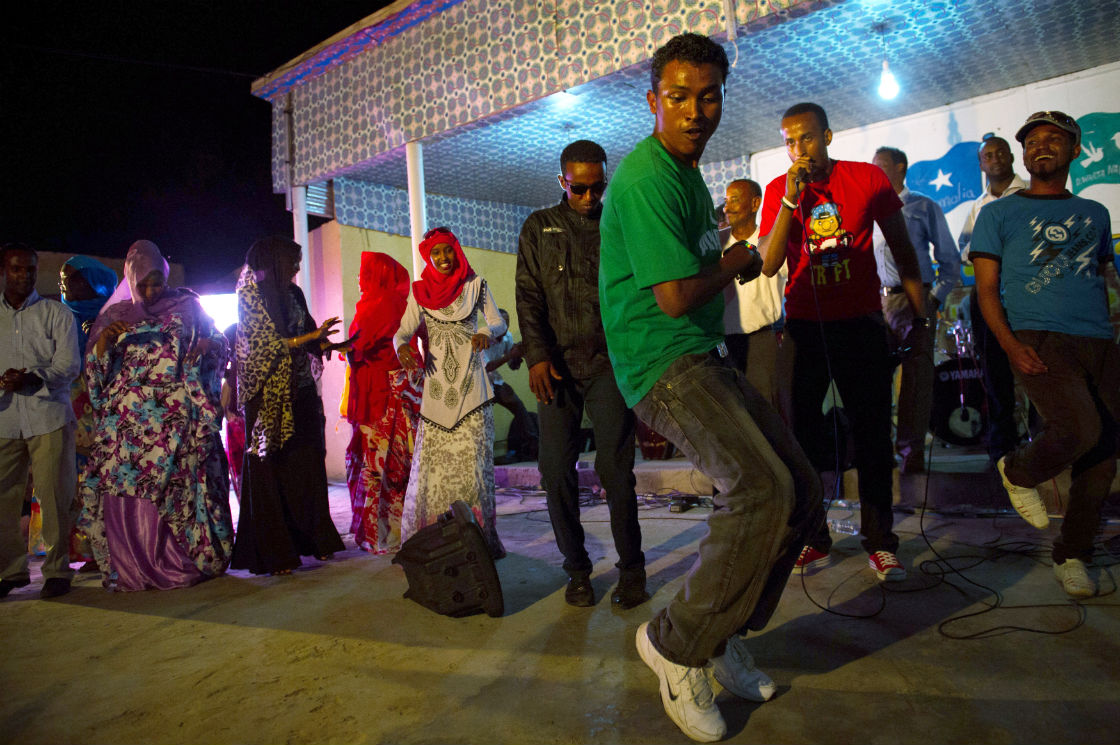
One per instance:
[(156, 489)]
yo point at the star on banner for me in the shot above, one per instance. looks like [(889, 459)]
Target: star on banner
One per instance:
[(943, 179)]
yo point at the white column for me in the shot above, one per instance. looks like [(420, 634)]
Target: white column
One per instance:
[(417, 204), (299, 235)]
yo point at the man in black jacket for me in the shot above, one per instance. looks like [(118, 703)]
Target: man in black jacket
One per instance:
[(566, 351)]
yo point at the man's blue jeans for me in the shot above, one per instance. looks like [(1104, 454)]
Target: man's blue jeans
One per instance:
[(769, 503)]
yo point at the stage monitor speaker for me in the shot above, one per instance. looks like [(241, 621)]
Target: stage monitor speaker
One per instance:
[(449, 568)]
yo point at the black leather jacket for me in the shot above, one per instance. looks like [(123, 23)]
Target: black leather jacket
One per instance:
[(558, 292)]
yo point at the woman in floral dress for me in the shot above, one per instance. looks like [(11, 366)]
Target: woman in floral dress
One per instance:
[(156, 490), (455, 439), (382, 403)]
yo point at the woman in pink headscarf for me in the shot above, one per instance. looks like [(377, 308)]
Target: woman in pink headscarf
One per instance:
[(455, 440), (155, 498), (382, 403)]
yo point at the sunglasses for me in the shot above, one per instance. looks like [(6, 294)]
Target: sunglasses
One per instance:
[(1055, 116), (580, 189)]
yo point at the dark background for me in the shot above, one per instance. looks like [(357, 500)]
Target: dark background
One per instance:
[(124, 119)]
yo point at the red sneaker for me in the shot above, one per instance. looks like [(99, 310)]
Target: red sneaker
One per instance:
[(887, 566), (810, 560)]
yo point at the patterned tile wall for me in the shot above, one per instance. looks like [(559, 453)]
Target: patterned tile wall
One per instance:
[(490, 225), (465, 61), (718, 175), (492, 95)]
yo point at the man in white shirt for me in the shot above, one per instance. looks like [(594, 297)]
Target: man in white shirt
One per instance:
[(752, 317), (929, 232), (40, 358), (521, 444), (1002, 435)]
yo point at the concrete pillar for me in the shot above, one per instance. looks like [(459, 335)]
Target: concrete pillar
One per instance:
[(299, 235), (417, 204)]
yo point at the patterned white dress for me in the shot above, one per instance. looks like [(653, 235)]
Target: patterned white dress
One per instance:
[(454, 452)]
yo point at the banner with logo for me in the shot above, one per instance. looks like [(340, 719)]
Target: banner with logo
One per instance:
[(1099, 162), (950, 180)]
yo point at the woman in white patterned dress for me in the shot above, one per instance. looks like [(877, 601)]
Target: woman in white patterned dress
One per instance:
[(454, 451)]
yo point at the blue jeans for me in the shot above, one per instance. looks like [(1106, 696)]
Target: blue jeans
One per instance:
[(768, 505), (560, 444)]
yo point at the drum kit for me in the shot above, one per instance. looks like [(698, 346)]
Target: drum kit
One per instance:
[(958, 415)]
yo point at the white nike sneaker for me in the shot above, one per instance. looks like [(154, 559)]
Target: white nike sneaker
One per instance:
[(686, 692), (735, 671)]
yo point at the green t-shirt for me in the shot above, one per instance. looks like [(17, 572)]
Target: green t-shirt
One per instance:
[(658, 224)]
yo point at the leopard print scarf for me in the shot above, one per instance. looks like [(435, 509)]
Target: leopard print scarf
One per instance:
[(264, 366)]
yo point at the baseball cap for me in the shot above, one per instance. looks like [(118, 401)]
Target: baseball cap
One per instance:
[(1057, 118)]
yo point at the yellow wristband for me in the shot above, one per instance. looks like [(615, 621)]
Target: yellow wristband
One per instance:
[(792, 206)]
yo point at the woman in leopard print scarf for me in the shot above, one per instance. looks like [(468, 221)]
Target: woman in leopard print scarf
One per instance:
[(285, 513)]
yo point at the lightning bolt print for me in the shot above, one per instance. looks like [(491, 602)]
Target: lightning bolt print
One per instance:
[(1083, 261), (1037, 251), (1036, 224), (1069, 223)]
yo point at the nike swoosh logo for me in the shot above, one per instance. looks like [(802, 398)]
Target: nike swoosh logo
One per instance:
[(672, 693)]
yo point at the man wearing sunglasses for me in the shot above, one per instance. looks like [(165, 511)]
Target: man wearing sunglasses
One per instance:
[(570, 372), (1045, 251)]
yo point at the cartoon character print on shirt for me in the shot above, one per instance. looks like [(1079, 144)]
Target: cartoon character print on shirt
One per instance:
[(1062, 247), (828, 245)]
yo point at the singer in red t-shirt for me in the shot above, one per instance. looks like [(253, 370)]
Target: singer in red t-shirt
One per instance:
[(818, 218)]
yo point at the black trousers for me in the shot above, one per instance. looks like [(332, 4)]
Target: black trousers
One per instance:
[(560, 445), (285, 512), (853, 352)]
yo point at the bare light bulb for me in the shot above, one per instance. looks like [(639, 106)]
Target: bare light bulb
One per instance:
[(888, 86)]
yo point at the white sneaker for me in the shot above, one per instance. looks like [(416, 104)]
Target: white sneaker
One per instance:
[(735, 671), (1074, 578), (686, 692), (1025, 500)]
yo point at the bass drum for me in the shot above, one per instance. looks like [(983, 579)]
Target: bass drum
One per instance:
[(653, 445), (959, 413)]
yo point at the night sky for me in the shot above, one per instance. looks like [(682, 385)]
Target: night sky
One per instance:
[(125, 120)]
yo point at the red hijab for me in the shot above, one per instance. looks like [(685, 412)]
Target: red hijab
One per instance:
[(384, 285), (436, 290)]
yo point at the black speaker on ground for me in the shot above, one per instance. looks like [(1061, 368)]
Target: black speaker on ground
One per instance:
[(449, 568)]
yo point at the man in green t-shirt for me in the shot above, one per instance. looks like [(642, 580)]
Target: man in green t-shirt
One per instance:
[(661, 279)]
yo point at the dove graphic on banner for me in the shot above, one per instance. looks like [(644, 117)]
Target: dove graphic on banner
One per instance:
[(952, 179), (1099, 162)]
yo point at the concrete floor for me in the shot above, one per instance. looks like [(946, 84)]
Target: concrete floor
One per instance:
[(334, 654)]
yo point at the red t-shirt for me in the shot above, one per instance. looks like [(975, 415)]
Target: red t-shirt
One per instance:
[(832, 265)]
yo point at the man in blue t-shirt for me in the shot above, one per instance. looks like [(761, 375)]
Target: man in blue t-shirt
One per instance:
[(661, 279), (1045, 251)]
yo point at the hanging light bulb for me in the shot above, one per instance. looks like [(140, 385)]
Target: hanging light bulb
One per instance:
[(888, 86)]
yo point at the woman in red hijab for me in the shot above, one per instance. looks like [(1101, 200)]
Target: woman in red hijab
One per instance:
[(455, 439), (381, 402)]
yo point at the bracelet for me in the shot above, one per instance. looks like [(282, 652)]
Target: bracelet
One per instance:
[(792, 205)]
